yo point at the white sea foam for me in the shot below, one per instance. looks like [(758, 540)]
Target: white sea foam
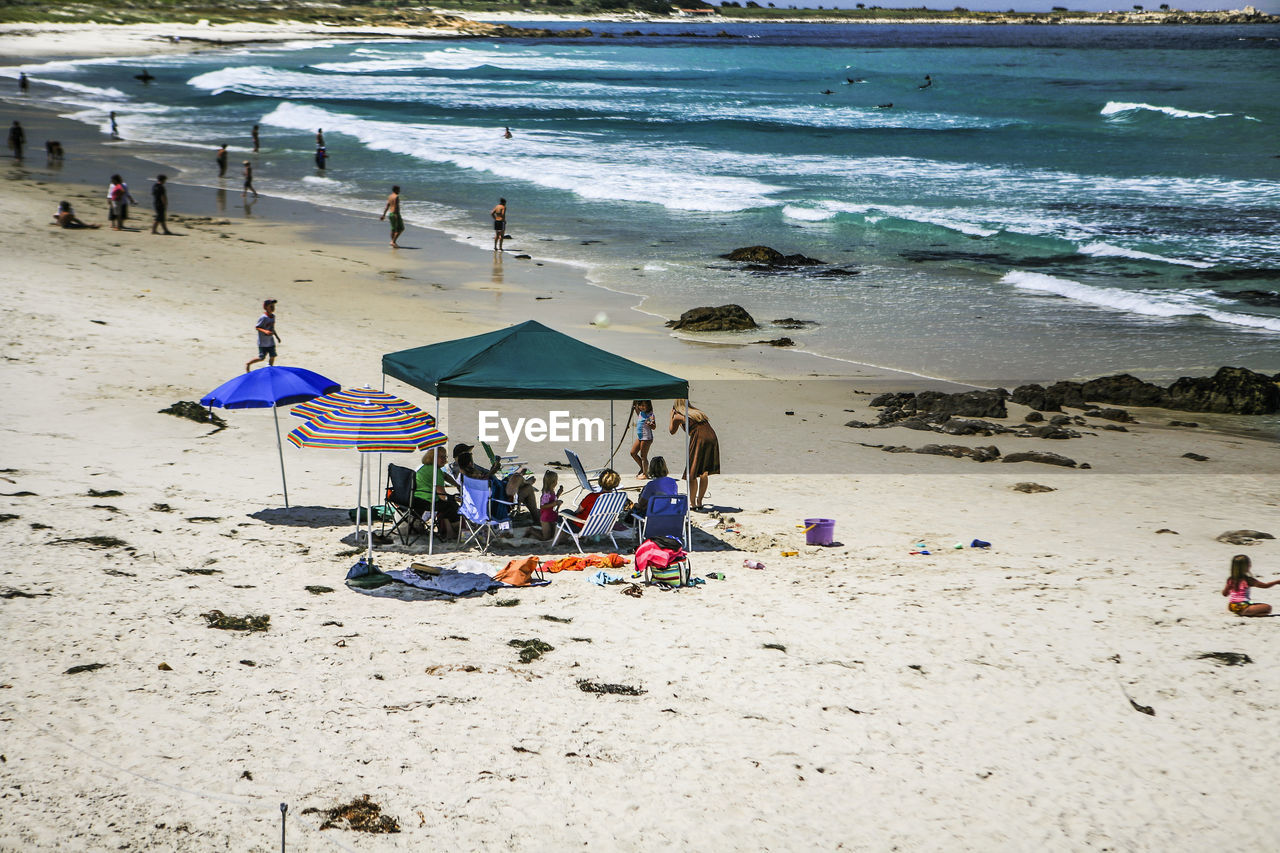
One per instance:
[(1106, 250), (1121, 109), (515, 59), (585, 164), (318, 180), (1145, 302), (808, 214)]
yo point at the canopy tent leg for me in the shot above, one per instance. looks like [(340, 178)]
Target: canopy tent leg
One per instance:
[(431, 532), (688, 473), (613, 448), (280, 449)]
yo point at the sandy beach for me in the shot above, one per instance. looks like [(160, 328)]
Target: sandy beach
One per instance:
[(856, 697)]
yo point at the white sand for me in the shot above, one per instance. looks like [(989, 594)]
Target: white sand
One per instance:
[(964, 700)]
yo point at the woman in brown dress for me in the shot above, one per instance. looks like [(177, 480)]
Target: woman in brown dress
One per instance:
[(704, 448)]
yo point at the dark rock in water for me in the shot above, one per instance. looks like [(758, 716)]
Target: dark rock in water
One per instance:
[(725, 318), (779, 342), (1041, 456), (1232, 390), (1192, 424), (793, 323), (836, 272), (1033, 488), (1242, 537), (1196, 457), (524, 257), (1034, 418), (1111, 415), (977, 454), (770, 257)]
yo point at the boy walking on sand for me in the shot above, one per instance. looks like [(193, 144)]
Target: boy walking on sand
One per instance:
[(248, 180), (392, 210), (267, 337)]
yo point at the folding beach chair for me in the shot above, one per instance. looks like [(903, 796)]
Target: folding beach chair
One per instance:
[(600, 521), (583, 475), (509, 464), (665, 516), (475, 515), (399, 499)]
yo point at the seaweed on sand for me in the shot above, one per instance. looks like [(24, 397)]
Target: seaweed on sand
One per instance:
[(318, 590), (614, 689), (95, 541), (530, 650), (195, 412), (361, 814), (84, 667), (218, 619)]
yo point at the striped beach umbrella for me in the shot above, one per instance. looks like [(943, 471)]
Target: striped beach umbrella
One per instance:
[(368, 428), (355, 397)]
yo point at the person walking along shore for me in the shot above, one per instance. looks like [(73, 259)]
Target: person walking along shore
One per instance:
[(392, 213)]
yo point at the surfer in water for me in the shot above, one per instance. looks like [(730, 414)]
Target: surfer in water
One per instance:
[(885, 106), (928, 81), (146, 76)]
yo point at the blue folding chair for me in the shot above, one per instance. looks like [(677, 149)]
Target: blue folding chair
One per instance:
[(665, 516)]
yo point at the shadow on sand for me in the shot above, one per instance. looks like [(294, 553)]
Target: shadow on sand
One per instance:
[(304, 516)]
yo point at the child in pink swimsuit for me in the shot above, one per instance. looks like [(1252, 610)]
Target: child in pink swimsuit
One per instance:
[(548, 507), (1237, 588)]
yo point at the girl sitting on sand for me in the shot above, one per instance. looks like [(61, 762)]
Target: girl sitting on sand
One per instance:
[(1238, 583), (645, 422), (549, 506), (66, 217)]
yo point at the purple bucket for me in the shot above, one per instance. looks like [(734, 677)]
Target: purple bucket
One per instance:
[(820, 531)]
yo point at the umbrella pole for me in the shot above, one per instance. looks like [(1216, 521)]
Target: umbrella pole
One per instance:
[(280, 450), (369, 490), (431, 531), (359, 498)]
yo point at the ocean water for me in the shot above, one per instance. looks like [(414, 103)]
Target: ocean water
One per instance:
[(1060, 202)]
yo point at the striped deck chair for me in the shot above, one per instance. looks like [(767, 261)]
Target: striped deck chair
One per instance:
[(599, 522)]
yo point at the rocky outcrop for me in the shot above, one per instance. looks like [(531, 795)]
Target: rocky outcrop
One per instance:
[(768, 257), (1232, 390), (970, 404), (779, 342), (793, 324), (724, 318), (958, 451), (1041, 456)]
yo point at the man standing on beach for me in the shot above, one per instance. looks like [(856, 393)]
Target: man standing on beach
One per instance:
[(392, 210), (23, 83), (267, 337), (499, 214), (17, 139), (160, 203), (248, 180), (221, 157), (254, 134)]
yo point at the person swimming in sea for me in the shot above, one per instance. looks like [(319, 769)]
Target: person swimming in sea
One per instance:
[(928, 81), (146, 76), (828, 92), (884, 106), (851, 80)]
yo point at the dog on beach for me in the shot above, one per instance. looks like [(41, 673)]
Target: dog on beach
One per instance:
[(53, 150)]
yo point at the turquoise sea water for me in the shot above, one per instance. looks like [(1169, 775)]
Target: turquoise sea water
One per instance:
[(1061, 201)]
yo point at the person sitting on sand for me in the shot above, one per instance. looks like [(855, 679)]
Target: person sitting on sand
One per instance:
[(548, 507), (1238, 583), (609, 480), (431, 477), (659, 484), (645, 422), (66, 217)]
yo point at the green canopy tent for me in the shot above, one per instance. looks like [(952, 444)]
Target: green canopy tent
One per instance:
[(530, 361)]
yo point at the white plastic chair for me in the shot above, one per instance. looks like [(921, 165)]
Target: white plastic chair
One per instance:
[(476, 495), (601, 520)]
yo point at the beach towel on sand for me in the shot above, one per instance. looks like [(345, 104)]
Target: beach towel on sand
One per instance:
[(591, 561), (449, 582), (520, 572)]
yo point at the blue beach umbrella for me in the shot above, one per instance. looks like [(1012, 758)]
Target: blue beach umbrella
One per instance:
[(270, 387)]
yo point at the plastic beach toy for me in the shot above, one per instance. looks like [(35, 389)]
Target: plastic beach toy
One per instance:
[(978, 543), (791, 553)]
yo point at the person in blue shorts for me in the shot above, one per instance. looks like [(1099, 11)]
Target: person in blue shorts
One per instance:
[(267, 337)]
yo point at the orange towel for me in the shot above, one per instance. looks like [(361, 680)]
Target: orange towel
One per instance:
[(591, 561), (518, 572)]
